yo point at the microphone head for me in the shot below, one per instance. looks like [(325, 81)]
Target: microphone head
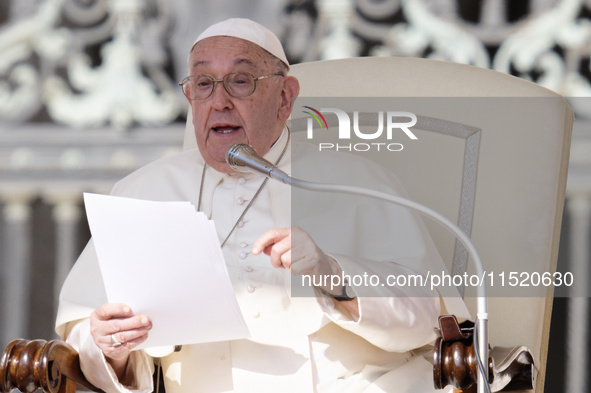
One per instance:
[(244, 158), (236, 154)]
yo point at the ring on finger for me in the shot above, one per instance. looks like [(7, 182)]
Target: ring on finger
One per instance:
[(114, 341)]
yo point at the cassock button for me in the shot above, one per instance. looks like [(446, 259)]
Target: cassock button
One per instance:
[(243, 245), (240, 224), (242, 255), (256, 314), (239, 201), (250, 288), (241, 180)]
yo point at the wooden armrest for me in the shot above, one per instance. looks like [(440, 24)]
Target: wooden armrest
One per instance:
[(454, 361), (53, 366)]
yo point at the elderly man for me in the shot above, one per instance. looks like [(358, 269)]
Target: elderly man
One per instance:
[(239, 91)]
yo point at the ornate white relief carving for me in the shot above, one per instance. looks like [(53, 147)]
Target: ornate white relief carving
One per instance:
[(128, 87), (548, 41), (447, 40), (20, 89), (337, 40), (116, 91), (421, 28), (530, 48)]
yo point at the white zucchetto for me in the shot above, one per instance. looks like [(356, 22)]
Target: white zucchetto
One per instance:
[(248, 30)]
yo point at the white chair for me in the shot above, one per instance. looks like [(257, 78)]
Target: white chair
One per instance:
[(491, 155)]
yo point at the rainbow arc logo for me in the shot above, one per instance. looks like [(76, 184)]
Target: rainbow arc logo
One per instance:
[(315, 115)]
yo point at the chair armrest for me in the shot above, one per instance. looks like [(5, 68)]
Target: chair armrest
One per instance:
[(53, 366), (454, 361)]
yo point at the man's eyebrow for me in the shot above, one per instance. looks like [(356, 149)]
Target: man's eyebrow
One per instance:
[(200, 62), (244, 61), (236, 62)]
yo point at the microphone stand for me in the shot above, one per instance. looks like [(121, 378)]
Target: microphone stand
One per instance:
[(244, 158)]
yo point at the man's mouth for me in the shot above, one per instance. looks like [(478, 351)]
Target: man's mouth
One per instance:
[(224, 129)]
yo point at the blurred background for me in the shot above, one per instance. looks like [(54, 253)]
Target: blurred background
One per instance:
[(88, 93)]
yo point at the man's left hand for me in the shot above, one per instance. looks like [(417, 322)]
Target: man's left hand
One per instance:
[(294, 249)]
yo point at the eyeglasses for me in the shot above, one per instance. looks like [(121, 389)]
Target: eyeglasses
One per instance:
[(237, 84)]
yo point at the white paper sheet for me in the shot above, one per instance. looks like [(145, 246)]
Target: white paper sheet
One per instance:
[(164, 260)]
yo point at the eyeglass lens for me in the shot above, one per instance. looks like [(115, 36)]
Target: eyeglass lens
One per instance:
[(237, 85)]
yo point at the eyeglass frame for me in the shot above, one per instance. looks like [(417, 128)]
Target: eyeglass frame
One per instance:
[(222, 81)]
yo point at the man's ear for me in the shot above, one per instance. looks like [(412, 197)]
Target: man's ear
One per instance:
[(291, 89)]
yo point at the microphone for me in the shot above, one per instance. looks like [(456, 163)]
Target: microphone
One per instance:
[(243, 158)]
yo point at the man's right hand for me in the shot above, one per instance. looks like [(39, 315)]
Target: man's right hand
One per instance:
[(115, 323)]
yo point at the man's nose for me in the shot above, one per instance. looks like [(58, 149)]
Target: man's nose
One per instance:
[(220, 98)]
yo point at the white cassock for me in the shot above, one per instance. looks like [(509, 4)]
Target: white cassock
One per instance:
[(298, 344)]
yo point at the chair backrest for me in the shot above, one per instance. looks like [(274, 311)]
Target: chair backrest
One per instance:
[(491, 154)]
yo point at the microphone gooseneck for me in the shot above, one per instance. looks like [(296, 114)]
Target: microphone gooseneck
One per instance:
[(243, 158)]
